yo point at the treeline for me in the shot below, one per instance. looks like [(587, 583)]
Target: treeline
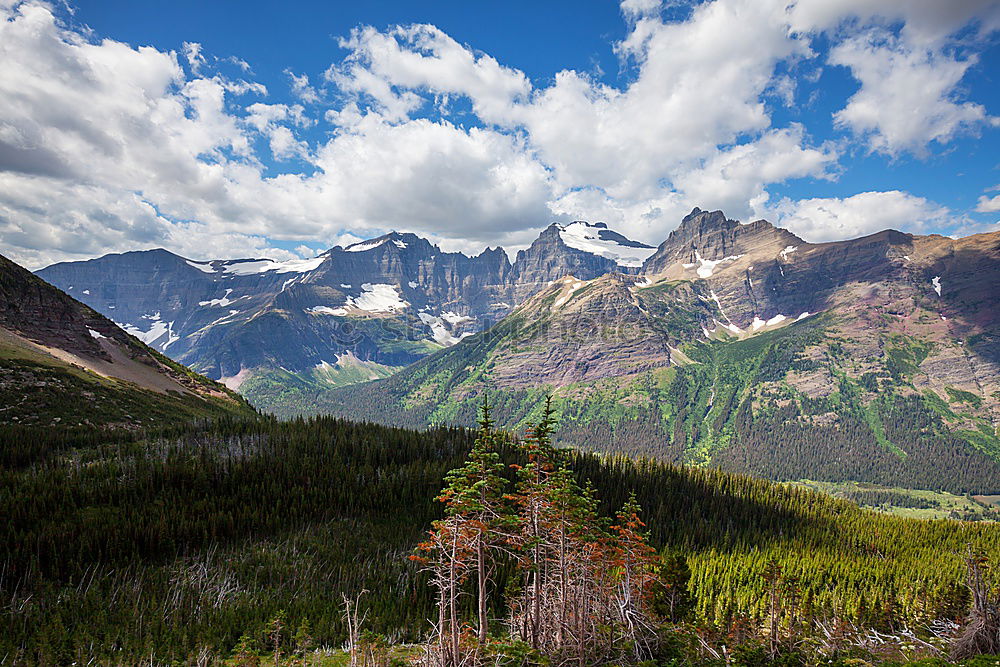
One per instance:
[(163, 546)]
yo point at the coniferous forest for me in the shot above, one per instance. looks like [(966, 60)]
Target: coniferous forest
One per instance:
[(236, 542)]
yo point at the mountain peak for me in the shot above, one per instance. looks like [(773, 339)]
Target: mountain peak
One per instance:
[(699, 222), (711, 236)]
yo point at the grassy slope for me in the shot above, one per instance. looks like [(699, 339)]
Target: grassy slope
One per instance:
[(912, 503), (37, 389)]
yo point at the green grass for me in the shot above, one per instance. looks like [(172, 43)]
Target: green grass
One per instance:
[(39, 390), (960, 396), (943, 504)]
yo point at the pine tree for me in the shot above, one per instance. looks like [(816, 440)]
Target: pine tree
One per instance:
[(474, 497), (637, 562), (465, 540)]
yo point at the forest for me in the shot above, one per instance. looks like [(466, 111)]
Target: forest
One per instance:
[(229, 538)]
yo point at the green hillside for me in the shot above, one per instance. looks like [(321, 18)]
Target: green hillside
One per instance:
[(750, 405)]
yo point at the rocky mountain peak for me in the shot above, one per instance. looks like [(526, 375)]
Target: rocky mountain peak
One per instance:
[(393, 241), (707, 237), (702, 222), (581, 249)]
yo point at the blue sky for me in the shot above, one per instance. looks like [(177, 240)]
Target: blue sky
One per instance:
[(225, 130)]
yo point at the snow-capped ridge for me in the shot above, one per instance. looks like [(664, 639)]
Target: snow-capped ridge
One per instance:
[(597, 239)]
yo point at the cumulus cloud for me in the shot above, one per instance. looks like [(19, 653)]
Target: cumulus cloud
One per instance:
[(906, 100), (107, 147), (301, 87), (988, 204), (632, 8), (830, 219), (391, 67)]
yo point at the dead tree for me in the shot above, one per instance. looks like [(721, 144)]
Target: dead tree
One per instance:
[(981, 632)]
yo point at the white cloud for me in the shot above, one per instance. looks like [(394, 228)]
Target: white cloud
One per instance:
[(734, 178), (830, 219), (632, 8), (698, 87), (391, 66), (924, 23), (192, 53), (269, 119), (988, 204), (906, 100), (301, 87), (422, 175)]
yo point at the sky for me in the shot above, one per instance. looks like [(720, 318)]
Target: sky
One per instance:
[(249, 129)]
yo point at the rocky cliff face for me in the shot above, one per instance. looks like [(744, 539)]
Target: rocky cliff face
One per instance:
[(387, 301), (363, 312), (743, 346)]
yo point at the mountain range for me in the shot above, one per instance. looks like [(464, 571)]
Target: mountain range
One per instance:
[(736, 345), (351, 314)]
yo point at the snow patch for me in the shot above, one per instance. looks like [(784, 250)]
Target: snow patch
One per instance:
[(326, 310), (156, 331), (255, 266), (707, 266), (378, 298), (365, 245), (757, 323), (399, 244), (86, 291), (223, 302), (204, 267), (777, 319), (171, 336), (454, 318), (95, 334), (412, 284), (803, 316), (719, 304), (787, 251), (439, 331), (732, 328), (345, 286), (565, 297), (605, 243), (936, 281)]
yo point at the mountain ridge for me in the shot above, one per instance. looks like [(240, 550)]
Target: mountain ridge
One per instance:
[(61, 361)]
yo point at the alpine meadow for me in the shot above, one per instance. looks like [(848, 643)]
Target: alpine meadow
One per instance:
[(627, 333)]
